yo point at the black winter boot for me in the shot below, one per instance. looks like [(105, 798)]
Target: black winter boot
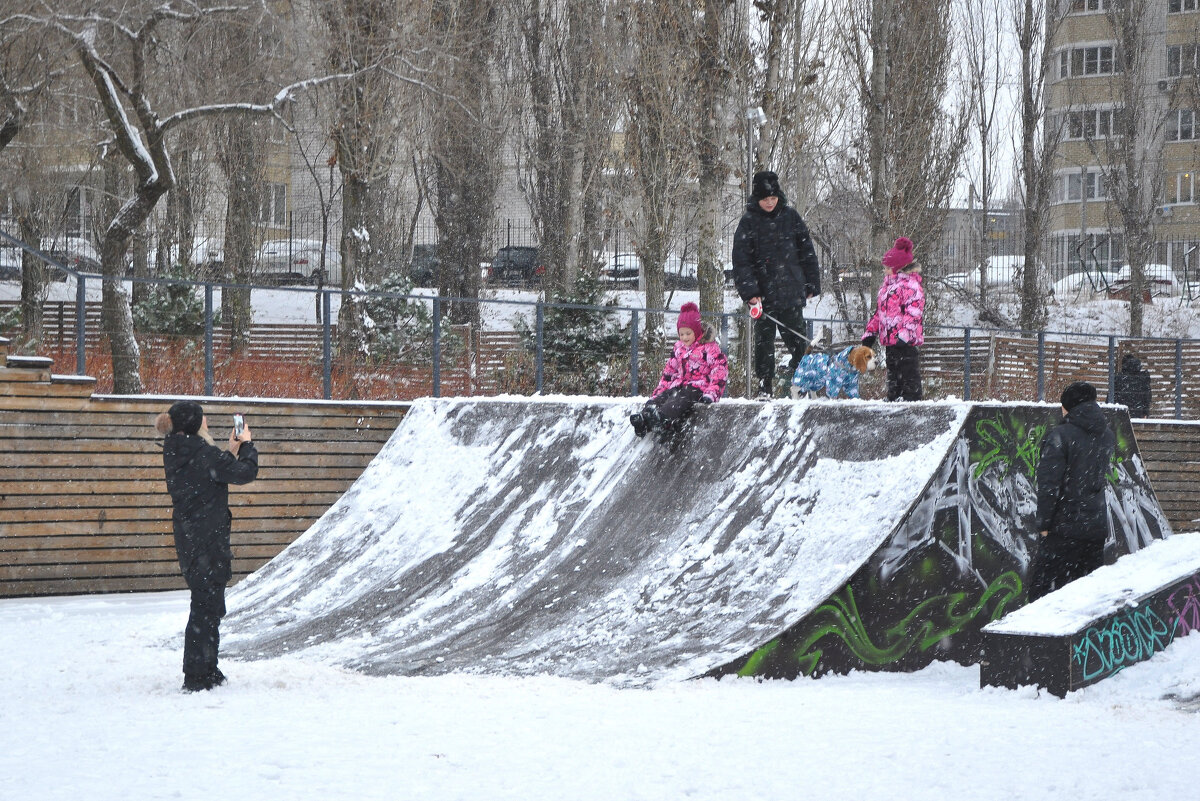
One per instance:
[(640, 426)]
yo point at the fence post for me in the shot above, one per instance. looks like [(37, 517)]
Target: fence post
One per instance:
[(1112, 366), (1041, 379), (724, 332), (541, 320), (967, 363), (208, 339), (437, 347), (326, 346), (633, 355), (1178, 379), (80, 324)]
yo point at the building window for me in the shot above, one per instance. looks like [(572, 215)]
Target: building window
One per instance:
[(1176, 6), (1083, 61), (1181, 125), (1081, 6), (1181, 60), (1081, 185), (1180, 188), (1092, 123), (273, 210)]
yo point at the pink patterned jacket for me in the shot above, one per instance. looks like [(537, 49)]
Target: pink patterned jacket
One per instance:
[(899, 310), (702, 366)]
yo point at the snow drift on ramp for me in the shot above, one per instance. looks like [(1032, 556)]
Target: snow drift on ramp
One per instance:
[(527, 537)]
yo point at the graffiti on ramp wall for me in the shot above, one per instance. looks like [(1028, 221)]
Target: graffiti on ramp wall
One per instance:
[(960, 557)]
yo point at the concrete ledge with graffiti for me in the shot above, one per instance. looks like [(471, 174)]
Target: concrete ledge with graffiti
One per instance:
[(1101, 624)]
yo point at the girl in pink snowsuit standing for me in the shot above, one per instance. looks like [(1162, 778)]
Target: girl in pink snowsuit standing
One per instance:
[(899, 311), (695, 373)]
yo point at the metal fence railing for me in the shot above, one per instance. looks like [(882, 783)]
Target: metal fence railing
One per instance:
[(419, 344)]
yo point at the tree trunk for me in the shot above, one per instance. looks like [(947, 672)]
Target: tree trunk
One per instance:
[(33, 285), (243, 161)]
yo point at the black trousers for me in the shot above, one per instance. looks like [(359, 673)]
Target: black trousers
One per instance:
[(764, 341), (903, 372), (1059, 560), (673, 406), (202, 637)]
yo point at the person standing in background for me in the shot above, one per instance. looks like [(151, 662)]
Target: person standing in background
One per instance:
[(775, 266)]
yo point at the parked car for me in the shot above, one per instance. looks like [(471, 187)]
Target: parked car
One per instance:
[(681, 274), (10, 263), (74, 252), (1159, 279), (283, 262), (517, 264), (1001, 271), (424, 265), (623, 269)]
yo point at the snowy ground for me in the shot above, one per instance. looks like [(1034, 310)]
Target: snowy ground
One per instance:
[(92, 710)]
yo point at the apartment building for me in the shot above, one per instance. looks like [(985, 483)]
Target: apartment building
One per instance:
[(1086, 98)]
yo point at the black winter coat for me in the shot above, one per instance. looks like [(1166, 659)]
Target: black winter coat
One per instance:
[(198, 478), (773, 258), (1073, 473)]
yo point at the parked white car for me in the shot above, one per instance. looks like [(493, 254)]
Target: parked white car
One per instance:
[(295, 261), (1159, 280)]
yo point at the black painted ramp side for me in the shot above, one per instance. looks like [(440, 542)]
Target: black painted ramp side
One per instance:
[(526, 537), (960, 557)]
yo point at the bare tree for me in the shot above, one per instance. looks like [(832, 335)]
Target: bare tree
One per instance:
[(467, 131), (660, 116), (1130, 159), (364, 38), (118, 53), (566, 68), (909, 147), (1036, 147), (983, 48)]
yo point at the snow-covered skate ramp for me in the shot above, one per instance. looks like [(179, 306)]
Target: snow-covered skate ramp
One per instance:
[(524, 537)]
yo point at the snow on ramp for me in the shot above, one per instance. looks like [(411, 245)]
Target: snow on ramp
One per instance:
[(528, 537)]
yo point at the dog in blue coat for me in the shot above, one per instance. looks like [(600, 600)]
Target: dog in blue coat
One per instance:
[(837, 375)]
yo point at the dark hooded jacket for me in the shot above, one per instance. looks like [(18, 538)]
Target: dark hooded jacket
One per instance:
[(773, 257), (198, 478), (1131, 387), (1073, 473)]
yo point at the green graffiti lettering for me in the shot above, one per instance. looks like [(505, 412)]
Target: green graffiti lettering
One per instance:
[(757, 658), (1008, 444), (928, 623)]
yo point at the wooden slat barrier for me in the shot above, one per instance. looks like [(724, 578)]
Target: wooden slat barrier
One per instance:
[(1171, 452), (83, 502), (84, 507)]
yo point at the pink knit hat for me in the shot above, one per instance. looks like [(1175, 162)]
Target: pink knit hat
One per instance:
[(689, 317), (900, 256)]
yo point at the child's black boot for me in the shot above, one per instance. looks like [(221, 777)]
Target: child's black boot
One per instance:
[(639, 423)]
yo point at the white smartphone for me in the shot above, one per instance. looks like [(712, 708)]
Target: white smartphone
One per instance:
[(239, 425)]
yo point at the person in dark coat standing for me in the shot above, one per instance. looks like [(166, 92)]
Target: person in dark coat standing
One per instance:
[(1131, 386), (775, 265), (1072, 476), (198, 478)]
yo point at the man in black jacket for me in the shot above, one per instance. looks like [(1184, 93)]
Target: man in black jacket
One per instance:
[(774, 264), (198, 478), (1072, 513)]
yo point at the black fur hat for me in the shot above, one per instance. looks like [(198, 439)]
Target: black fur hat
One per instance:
[(1077, 393), (766, 184), (186, 416)]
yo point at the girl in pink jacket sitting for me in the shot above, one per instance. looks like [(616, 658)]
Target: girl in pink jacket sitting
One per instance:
[(900, 308), (695, 373)]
